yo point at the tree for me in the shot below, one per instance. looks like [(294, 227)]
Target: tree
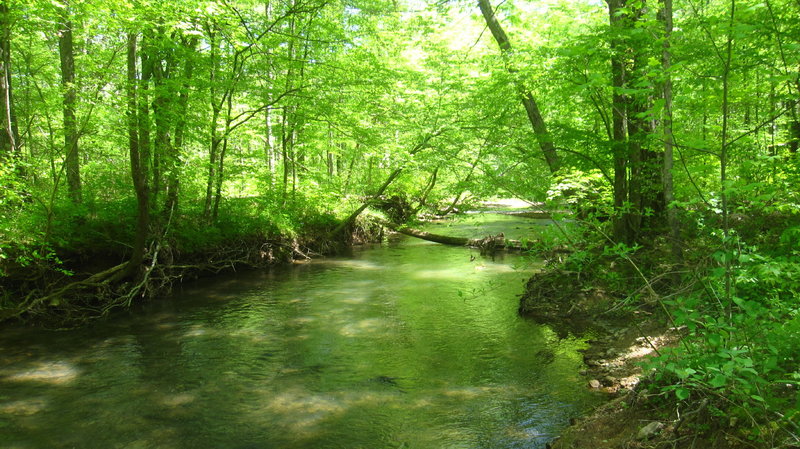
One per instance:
[(138, 148), (667, 175), (543, 137), (9, 132), (66, 53)]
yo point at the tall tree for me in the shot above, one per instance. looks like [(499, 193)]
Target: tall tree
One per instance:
[(138, 155), (66, 53), (543, 137), (9, 133), (669, 140), (619, 119)]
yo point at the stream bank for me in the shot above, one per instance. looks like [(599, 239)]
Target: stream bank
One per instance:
[(60, 290), (637, 414)]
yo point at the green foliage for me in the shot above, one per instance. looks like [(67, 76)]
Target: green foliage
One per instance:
[(294, 115), (740, 351)]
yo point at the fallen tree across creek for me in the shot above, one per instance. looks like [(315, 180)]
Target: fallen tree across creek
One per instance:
[(488, 244)]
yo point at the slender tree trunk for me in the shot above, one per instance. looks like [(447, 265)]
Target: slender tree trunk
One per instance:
[(428, 188), (71, 149), (163, 153), (636, 136), (287, 122), (543, 137), (723, 176), (173, 161), (666, 124), (9, 135), (138, 163), (619, 114), (463, 188), (221, 167), (330, 163), (143, 94), (269, 131), (285, 153), (215, 139), (269, 142)]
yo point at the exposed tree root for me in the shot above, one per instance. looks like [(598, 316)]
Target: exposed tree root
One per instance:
[(77, 302)]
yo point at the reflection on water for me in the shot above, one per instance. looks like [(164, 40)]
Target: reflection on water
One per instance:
[(402, 345)]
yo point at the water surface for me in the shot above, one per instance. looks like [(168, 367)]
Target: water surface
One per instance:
[(407, 344)]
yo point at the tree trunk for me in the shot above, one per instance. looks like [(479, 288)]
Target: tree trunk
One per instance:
[(427, 190), (9, 135), (619, 114), (223, 151), (666, 124), (269, 131), (366, 204), (489, 243), (143, 94), (723, 155), (138, 163), (71, 136), (461, 191), (172, 164), (543, 137), (215, 139), (163, 153)]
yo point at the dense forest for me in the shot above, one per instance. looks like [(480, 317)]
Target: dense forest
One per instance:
[(142, 141)]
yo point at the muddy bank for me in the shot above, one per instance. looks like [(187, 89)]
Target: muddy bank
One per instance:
[(82, 285), (637, 413)]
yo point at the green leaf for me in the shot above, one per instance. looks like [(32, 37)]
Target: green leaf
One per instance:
[(682, 394), (718, 381), (714, 340)]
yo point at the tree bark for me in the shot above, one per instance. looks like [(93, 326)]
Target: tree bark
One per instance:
[(71, 149), (666, 124), (9, 134), (138, 163), (543, 137), (491, 242), (421, 145), (396, 173), (172, 163), (223, 151), (619, 115), (423, 198), (163, 153), (215, 110)]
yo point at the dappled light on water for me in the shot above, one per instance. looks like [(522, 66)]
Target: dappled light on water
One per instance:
[(399, 345), (55, 373)]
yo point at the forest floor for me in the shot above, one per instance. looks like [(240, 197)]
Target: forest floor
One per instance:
[(634, 416)]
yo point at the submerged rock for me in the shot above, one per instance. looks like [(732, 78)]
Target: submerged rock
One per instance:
[(649, 431)]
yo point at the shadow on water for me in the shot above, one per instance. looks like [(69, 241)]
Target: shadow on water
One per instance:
[(406, 344)]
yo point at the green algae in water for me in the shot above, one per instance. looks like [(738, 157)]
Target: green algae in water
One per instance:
[(405, 344)]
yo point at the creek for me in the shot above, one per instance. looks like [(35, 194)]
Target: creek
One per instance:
[(405, 344)]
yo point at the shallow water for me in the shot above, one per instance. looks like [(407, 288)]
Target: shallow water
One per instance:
[(407, 344)]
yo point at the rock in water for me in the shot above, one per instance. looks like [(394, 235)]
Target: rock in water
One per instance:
[(650, 430), (386, 380)]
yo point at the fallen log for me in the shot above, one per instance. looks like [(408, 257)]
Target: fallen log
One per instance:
[(488, 244)]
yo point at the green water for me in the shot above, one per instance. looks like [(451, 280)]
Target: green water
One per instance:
[(407, 344)]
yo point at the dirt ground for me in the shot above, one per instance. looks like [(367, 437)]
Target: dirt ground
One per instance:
[(634, 418)]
